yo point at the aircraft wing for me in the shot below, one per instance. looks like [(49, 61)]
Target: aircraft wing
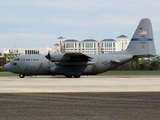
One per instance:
[(77, 56), (71, 59), (70, 56)]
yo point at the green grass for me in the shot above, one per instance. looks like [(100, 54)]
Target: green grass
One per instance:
[(110, 73), (5, 74), (2, 69)]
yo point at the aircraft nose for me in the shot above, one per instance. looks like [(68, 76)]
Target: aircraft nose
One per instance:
[(7, 66)]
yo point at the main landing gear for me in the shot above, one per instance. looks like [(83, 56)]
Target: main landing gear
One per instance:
[(21, 75), (75, 76)]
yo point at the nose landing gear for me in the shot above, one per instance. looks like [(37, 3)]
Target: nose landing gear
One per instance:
[(21, 75)]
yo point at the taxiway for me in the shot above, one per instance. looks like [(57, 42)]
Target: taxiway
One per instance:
[(47, 84), (86, 98)]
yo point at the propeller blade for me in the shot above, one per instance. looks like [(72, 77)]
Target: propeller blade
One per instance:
[(48, 56)]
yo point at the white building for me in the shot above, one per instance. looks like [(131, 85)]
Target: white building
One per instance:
[(87, 46), (107, 46), (71, 45), (56, 48), (122, 42), (27, 50), (7, 50), (92, 46)]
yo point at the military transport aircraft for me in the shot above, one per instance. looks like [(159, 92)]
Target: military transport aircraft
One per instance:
[(77, 64)]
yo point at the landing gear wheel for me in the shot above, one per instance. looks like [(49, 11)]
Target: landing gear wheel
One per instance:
[(76, 76), (68, 76), (21, 75)]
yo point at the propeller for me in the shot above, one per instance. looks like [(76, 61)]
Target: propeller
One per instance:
[(48, 56)]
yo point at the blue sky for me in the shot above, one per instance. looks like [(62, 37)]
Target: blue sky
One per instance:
[(38, 23)]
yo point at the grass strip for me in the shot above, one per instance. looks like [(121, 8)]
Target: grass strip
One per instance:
[(109, 73)]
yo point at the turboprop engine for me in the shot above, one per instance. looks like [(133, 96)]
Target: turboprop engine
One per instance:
[(57, 57)]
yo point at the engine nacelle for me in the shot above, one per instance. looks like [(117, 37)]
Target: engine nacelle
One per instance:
[(58, 57), (57, 70)]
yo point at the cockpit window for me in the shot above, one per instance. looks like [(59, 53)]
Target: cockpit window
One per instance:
[(14, 64), (16, 59)]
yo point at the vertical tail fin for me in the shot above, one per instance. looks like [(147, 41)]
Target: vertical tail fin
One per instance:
[(142, 42)]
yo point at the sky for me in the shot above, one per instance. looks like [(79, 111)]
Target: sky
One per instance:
[(38, 23)]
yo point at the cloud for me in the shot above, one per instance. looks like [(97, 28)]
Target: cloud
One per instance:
[(89, 13), (26, 40), (28, 36), (93, 21), (85, 5), (17, 20), (21, 19)]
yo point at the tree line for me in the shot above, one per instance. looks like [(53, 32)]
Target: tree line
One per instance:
[(152, 63)]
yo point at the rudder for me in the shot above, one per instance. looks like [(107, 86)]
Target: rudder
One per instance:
[(142, 42)]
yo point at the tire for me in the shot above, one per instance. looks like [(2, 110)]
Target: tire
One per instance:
[(21, 75), (77, 76), (68, 76)]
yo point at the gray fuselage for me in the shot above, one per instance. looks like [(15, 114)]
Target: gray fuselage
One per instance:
[(39, 65)]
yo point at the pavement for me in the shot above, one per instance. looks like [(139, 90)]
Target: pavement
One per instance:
[(86, 98), (60, 84), (81, 106)]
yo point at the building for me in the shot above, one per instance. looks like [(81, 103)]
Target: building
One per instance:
[(107, 46), (122, 42), (27, 50), (87, 46), (92, 46), (71, 45)]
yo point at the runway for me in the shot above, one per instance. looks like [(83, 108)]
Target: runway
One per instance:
[(80, 106), (86, 98), (60, 84)]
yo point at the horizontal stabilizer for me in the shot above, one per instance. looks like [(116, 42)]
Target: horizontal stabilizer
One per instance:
[(115, 61)]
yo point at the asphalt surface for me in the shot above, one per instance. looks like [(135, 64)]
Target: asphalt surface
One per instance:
[(86, 98), (60, 84), (81, 106)]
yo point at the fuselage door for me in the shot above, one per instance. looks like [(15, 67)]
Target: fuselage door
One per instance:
[(28, 70)]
